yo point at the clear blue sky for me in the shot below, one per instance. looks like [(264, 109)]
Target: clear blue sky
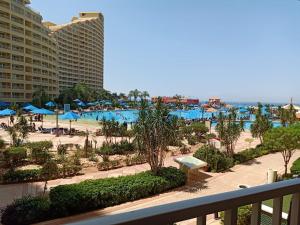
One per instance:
[(240, 50)]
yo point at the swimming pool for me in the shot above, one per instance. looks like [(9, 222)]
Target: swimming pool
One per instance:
[(131, 116)]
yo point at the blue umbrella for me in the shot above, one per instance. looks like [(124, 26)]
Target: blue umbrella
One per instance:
[(69, 116), (42, 112), (7, 112), (50, 104), (30, 108), (77, 100)]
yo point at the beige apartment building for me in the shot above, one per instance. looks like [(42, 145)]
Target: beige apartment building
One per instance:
[(28, 55), (80, 50)]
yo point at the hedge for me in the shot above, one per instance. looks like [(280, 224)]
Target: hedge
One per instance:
[(27, 210), (250, 154), (219, 161), (15, 176), (89, 195), (295, 169), (33, 175), (95, 194)]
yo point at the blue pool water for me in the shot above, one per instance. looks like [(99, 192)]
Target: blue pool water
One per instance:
[(131, 116)]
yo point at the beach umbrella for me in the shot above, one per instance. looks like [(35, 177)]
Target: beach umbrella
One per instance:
[(42, 112), (7, 112), (50, 104), (30, 108), (69, 116), (77, 100)]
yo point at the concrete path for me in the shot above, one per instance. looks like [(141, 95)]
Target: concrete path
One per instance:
[(252, 174)]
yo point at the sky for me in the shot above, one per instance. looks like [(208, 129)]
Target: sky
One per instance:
[(239, 50)]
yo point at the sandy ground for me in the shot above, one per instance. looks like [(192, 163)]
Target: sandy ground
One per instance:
[(91, 127)]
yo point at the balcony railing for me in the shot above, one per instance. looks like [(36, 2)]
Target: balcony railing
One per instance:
[(199, 208)]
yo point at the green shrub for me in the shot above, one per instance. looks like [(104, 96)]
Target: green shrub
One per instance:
[(123, 147), (15, 176), (108, 165), (250, 154), (40, 151), (135, 160), (15, 155), (26, 210), (96, 194), (192, 140), (32, 175), (244, 215), (295, 169), (62, 149), (217, 161)]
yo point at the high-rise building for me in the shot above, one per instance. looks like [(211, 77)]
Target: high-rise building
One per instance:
[(28, 57), (80, 50)]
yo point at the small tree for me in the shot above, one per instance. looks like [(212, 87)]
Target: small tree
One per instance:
[(199, 129), (49, 171), (155, 130), (19, 131), (283, 139)]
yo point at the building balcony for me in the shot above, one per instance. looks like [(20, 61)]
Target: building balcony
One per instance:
[(229, 202)]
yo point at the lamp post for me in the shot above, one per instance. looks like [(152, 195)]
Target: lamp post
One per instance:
[(56, 113)]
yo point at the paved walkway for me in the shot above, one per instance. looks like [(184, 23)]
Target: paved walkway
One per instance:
[(252, 174)]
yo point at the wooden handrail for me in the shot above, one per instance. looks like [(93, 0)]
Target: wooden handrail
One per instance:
[(202, 206)]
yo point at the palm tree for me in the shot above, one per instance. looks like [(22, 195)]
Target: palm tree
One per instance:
[(287, 116), (261, 124), (229, 130), (122, 96), (134, 94), (154, 131), (178, 100), (144, 95)]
